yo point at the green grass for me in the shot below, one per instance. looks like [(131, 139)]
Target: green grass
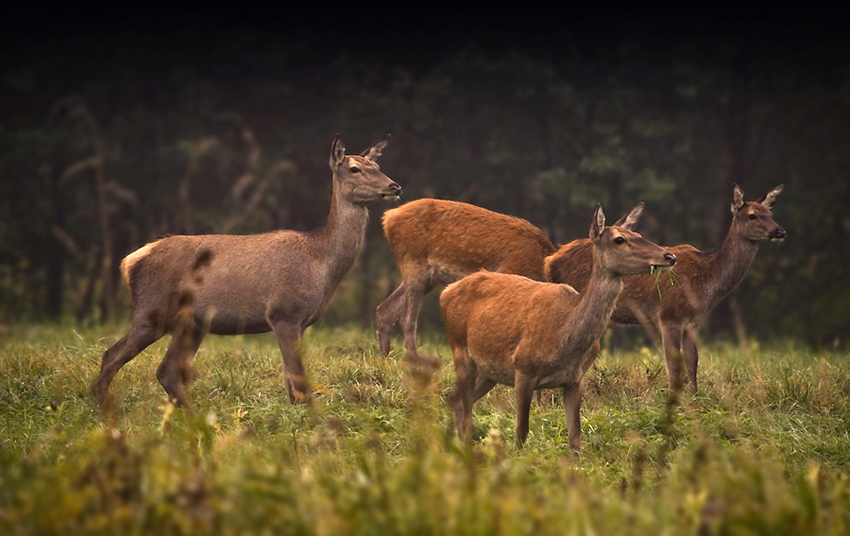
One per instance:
[(762, 449)]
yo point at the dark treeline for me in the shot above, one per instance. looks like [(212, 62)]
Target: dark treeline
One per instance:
[(114, 132)]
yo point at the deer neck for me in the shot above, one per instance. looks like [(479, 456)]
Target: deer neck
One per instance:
[(339, 242), (728, 264), (591, 316)]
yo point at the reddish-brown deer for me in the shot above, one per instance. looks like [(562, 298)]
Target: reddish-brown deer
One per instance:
[(436, 242), (700, 280), (511, 330), (281, 280)]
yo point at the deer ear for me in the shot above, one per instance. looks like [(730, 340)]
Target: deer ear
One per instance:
[(769, 199), (337, 152), (597, 224), (630, 220), (737, 198), (376, 151)]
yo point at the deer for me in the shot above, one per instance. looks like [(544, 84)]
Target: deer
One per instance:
[(437, 242), (699, 282), (280, 281), (511, 330)]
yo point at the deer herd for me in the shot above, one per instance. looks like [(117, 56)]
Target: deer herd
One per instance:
[(517, 310)]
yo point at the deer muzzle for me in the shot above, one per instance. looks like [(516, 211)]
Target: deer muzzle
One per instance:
[(777, 234), (394, 191)]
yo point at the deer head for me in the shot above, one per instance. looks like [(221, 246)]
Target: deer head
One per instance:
[(358, 178), (623, 251), (753, 220)]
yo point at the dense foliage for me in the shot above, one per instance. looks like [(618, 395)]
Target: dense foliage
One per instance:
[(112, 135)]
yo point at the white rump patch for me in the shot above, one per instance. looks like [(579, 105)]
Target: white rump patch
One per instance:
[(131, 259)]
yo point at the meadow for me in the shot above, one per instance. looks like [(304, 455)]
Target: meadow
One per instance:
[(763, 448)]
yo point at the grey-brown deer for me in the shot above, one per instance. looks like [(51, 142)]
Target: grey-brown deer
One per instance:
[(511, 330), (678, 307), (281, 280), (436, 242)]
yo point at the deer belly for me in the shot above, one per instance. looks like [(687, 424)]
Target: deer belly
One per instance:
[(499, 374), (493, 354), (232, 311), (560, 378), (229, 322)]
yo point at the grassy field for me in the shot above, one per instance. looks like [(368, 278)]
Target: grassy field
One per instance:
[(763, 449)]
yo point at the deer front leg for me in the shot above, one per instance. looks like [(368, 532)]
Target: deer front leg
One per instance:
[(671, 338), (289, 340), (387, 314), (689, 347), (572, 404), (523, 392)]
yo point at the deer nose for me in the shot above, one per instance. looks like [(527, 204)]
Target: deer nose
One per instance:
[(779, 233), (670, 258), (395, 188)]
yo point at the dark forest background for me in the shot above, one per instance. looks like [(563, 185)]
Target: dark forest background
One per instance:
[(117, 129)]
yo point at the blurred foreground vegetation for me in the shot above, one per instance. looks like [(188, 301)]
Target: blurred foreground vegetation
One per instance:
[(763, 449)]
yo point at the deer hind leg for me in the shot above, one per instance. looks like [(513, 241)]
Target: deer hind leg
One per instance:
[(140, 336), (523, 392), (414, 293), (689, 347), (671, 338), (482, 387), (387, 314), (464, 398), (289, 340), (175, 371)]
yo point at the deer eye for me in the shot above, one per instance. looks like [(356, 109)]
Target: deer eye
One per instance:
[(355, 170), (619, 240), (752, 216)]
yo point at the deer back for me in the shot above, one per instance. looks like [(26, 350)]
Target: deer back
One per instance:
[(457, 239), (643, 297)]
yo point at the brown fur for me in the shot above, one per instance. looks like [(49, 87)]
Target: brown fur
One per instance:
[(437, 242), (280, 281), (508, 329), (699, 281)]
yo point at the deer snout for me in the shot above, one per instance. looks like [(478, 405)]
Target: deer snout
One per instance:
[(394, 189), (777, 234), (670, 258)]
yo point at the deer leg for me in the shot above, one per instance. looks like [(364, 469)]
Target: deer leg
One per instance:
[(289, 340), (572, 402), (140, 336), (689, 346), (523, 392), (465, 371), (387, 314), (175, 371), (671, 338), (414, 293), (482, 387)]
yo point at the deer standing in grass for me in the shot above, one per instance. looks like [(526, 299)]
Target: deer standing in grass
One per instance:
[(436, 242), (281, 281), (511, 330), (700, 280)]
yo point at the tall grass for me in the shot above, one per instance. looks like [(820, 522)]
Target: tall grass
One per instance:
[(763, 448)]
